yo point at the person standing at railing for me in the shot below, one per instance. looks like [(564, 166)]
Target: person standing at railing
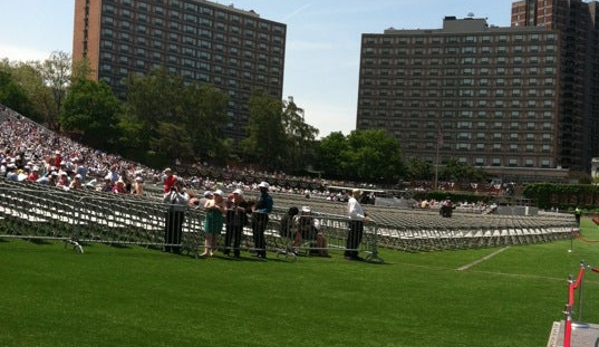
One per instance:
[(213, 223), (357, 218), (236, 219), (173, 229), (260, 211)]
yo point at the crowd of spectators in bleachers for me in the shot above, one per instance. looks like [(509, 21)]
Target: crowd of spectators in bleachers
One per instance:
[(29, 152)]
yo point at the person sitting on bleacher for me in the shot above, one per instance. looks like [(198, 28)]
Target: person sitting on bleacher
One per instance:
[(96, 182), (119, 187), (308, 228), (77, 183), (63, 180), (34, 175), (107, 187), (3, 167), (11, 172), (138, 186)]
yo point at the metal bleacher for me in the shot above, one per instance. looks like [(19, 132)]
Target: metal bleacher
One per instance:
[(35, 211)]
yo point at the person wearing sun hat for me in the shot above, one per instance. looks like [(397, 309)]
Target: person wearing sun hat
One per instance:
[(213, 222), (119, 187), (260, 211)]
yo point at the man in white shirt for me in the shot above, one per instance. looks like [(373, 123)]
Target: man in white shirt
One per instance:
[(357, 218)]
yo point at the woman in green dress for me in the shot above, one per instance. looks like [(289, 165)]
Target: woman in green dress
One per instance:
[(213, 224)]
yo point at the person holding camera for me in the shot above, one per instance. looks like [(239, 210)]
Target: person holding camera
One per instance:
[(176, 198), (236, 218), (213, 223)]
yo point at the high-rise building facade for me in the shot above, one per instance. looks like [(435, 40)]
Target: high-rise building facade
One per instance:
[(507, 99), (235, 50), (578, 113)]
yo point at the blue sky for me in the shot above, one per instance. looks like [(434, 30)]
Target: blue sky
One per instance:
[(323, 41)]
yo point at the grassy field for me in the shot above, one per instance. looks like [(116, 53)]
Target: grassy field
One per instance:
[(111, 296)]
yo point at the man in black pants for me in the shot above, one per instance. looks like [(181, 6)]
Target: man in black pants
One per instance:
[(236, 218), (260, 211), (357, 218), (176, 199)]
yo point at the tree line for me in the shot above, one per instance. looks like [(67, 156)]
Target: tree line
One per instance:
[(166, 118)]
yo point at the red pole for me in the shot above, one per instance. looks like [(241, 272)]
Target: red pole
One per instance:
[(568, 310)]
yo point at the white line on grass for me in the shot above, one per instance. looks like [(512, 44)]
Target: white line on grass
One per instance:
[(476, 262)]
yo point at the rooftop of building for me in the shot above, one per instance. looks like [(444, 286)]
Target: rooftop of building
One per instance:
[(452, 24), (231, 7)]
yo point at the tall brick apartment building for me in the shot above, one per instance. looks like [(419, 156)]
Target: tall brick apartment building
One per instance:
[(233, 49), (518, 101)]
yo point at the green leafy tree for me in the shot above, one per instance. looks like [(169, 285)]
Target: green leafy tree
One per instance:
[(172, 140), (328, 155), (55, 73), (160, 101), (204, 119), (265, 144), (373, 156), (300, 136), (419, 169), (28, 79), (13, 95), (461, 172), (90, 114)]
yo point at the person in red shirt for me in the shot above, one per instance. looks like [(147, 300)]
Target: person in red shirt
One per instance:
[(57, 159), (169, 180), (34, 175)]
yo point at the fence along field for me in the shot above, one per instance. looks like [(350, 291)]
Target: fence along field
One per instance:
[(29, 210)]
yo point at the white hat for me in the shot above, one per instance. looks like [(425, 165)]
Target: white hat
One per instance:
[(305, 208), (168, 169), (218, 192), (357, 192), (139, 179), (207, 193), (238, 191), (264, 185), (78, 176)]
